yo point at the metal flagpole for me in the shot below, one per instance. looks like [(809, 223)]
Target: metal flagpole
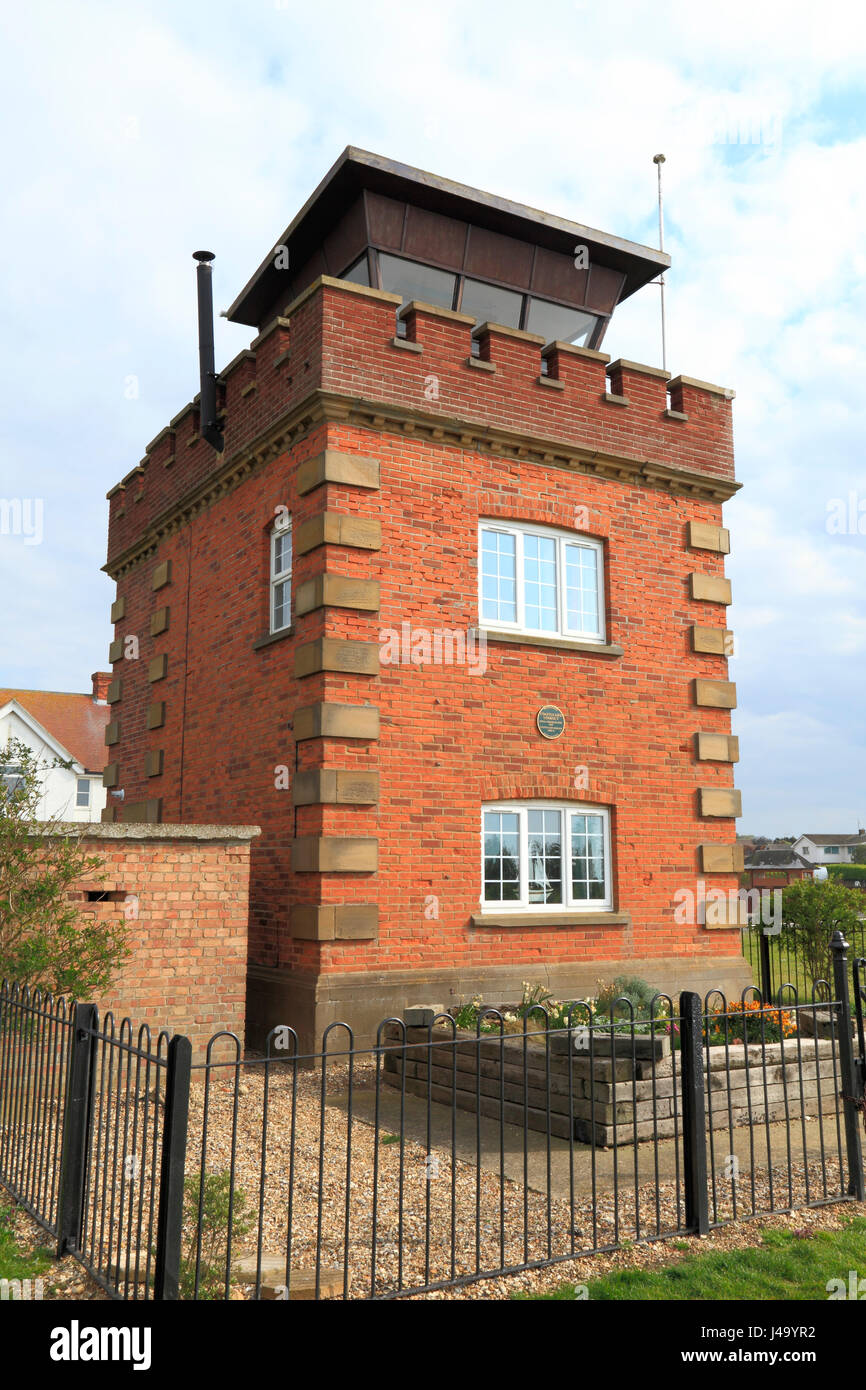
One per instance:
[(658, 161)]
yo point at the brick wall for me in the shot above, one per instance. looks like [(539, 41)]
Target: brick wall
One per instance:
[(183, 892), (612, 450)]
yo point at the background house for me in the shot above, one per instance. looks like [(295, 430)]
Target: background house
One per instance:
[(829, 849), (774, 865), (66, 731)]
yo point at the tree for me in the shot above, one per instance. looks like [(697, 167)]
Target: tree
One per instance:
[(858, 854), (43, 941), (811, 912)]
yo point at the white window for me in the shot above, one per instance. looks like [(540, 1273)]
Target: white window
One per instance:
[(11, 778), (544, 855), (82, 791), (540, 582), (281, 573)]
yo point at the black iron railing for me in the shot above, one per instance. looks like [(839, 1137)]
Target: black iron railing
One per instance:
[(435, 1158)]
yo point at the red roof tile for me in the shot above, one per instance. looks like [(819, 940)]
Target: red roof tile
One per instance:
[(75, 721)]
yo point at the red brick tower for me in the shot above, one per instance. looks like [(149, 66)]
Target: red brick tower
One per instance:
[(446, 616)]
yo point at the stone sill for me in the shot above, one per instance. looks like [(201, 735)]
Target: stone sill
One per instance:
[(271, 637), (551, 919), (566, 643), (406, 345)]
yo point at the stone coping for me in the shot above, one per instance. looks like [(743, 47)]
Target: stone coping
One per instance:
[(133, 830)]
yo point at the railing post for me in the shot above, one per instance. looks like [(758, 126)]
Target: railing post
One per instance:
[(77, 1112), (169, 1222), (694, 1114), (851, 1073), (766, 968)]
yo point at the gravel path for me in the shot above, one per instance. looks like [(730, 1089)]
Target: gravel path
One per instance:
[(475, 1221)]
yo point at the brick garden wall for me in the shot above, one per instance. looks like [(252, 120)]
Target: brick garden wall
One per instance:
[(183, 892), (206, 722)]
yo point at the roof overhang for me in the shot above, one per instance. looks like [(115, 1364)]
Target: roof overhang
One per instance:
[(357, 169)]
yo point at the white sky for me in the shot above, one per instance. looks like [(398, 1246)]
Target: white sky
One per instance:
[(136, 133)]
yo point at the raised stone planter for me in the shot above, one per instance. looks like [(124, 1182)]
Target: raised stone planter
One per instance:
[(630, 1096)]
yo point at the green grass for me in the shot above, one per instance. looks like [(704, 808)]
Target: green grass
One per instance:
[(787, 968), (16, 1263), (784, 1266)]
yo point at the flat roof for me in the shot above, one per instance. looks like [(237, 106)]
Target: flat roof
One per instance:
[(357, 169)]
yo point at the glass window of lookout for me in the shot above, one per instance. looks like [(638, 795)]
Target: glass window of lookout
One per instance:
[(375, 222)]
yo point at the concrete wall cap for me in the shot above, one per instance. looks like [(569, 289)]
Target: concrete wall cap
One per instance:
[(157, 439), (245, 355), (503, 330), (423, 307), (269, 328), (129, 830), (328, 282), (176, 419), (624, 364), (575, 351), (699, 385)]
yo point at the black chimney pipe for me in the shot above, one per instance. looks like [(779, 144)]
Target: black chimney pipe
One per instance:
[(208, 428)]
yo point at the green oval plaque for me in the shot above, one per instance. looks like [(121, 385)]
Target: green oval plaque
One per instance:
[(550, 721)]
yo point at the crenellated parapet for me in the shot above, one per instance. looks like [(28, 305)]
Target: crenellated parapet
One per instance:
[(337, 354)]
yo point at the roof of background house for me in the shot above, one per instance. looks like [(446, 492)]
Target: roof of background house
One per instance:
[(75, 721), (775, 856), (836, 839)]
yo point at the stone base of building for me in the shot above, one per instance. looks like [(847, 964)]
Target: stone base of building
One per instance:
[(308, 1003)]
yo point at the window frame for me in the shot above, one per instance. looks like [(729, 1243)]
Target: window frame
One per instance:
[(279, 528), (520, 531), (86, 782), (569, 903)]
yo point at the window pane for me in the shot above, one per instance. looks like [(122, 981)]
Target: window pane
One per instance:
[(501, 857), (413, 280), (359, 273), (82, 792), (539, 575), (587, 858), (545, 857), (282, 551), (11, 778), (282, 605), (554, 321), (581, 588), (498, 576), (490, 304)]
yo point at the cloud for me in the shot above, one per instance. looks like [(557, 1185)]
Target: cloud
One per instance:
[(142, 134)]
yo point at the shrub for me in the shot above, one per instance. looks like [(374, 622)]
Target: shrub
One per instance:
[(625, 987), (214, 1215), (811, 912), (43, 941), (848, 873)]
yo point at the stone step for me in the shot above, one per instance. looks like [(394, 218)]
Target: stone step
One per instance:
[(302, 1282)]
